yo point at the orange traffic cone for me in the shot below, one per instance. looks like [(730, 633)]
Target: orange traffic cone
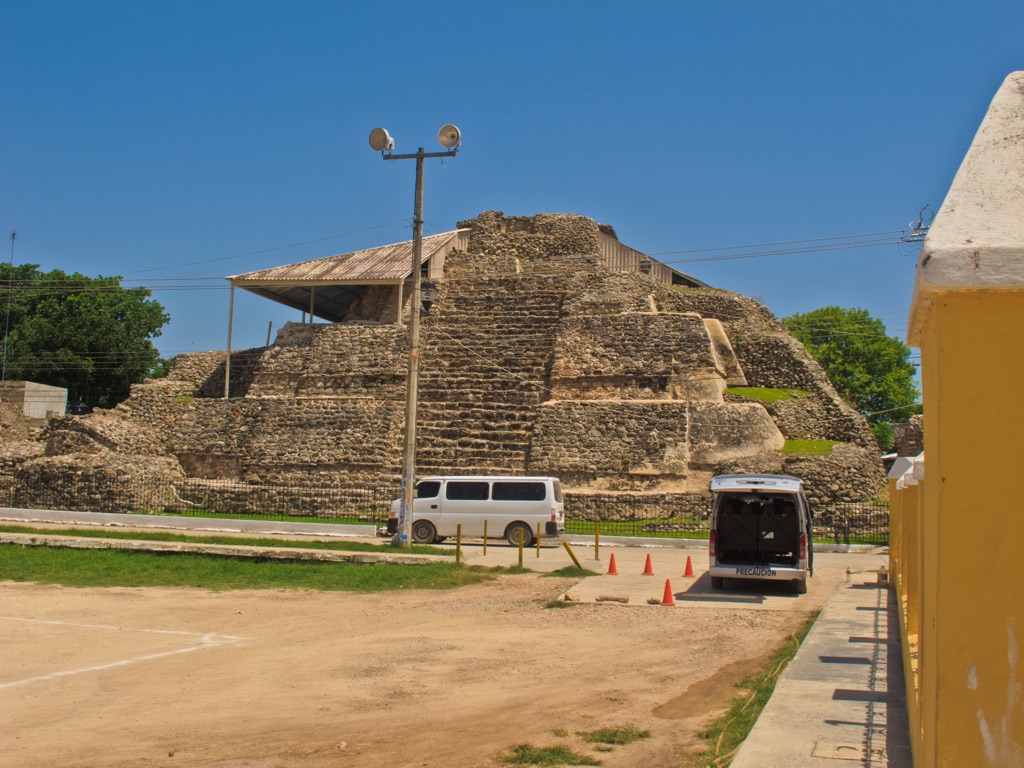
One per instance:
[(612, 570), (689, 567), (648, 568), (669, 598)]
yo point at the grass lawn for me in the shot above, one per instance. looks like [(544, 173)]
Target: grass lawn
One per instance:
[(341, 546), (119, 568)]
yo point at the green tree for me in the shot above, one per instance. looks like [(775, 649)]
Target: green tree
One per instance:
[(87, 334), (870, 368)]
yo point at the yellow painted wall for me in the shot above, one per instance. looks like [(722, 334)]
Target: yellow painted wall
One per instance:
[(971, 612)]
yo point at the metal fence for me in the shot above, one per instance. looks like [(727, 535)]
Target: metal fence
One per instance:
[(610, 514)]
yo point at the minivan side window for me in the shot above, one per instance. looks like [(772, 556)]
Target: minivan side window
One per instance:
[(427, 489), (466, 490), (519, 491)]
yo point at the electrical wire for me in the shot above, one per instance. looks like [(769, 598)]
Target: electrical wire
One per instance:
[(272, 249)]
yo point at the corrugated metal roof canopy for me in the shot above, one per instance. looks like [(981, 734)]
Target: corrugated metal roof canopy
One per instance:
[(338, 280), (333, 284)]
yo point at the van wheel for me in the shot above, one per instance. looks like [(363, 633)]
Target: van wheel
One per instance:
[(512, 534), (718, 582), (800, 586), (423, 532)]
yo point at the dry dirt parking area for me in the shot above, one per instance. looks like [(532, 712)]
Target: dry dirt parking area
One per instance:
[(183, 677)]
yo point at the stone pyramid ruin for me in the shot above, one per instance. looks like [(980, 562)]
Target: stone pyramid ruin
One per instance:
[(552, 349)]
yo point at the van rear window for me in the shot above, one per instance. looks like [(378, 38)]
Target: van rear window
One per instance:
[(518, 491), (466, 490)]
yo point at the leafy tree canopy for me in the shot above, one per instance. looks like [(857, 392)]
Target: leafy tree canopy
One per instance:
[(871, 369), (87, 334)]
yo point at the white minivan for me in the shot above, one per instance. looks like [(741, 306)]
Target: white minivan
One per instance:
[(760, 529), (508, 505)]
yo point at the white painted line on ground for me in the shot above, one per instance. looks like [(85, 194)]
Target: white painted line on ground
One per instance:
[(208, 640)]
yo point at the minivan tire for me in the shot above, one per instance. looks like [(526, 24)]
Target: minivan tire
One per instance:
[(800, 586), (512, 534), (423, 532), (718, 582)]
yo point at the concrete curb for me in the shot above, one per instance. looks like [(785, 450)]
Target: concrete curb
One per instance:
[(167, 522)]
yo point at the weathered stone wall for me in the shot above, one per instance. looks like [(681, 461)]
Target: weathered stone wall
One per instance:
[(101, 483), (196, 367), (648, 356), (771, 357), (333, 360), (612, 293), (720, 433), (912, 440), (14, 424), (849, 473), (156, 404), (243, 366), (732, 309), (376, 303), (13, 454), (779, 361), (602, 439), (541, 238), (622, 443), (460, 264), (105, 432), (266, 439)]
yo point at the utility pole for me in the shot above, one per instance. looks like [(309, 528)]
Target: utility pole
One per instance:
[(10, 296), (381, 141)]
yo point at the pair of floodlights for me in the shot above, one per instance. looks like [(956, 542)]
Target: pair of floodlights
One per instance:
[(448, 137)]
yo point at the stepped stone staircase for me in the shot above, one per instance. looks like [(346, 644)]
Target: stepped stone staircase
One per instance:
[(487, 354)]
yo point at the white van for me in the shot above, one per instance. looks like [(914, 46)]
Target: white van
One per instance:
[(508, 504), (760, 529)]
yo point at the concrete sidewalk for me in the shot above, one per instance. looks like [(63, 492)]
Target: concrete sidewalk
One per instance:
[(843, 697)]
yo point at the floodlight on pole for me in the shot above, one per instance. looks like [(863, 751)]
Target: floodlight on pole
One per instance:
[(380, 141)]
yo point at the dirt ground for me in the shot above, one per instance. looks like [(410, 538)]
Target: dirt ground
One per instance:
[(183, 677)]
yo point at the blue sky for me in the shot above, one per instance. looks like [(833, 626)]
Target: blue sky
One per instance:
[(176, 143)]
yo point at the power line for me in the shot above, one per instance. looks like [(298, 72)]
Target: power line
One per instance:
[(780, 242), (788, 251), (269, 250)]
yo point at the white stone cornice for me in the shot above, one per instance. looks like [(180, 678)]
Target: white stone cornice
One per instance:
[(977, 239)]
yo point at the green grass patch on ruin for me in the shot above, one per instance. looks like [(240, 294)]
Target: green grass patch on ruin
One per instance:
[(809, 447), (338, 546), (120, 568), (766, 394), (724, 735)]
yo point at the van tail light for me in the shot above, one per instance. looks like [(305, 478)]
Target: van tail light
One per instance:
[(712, 541), (554, 518), (802, 552)]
